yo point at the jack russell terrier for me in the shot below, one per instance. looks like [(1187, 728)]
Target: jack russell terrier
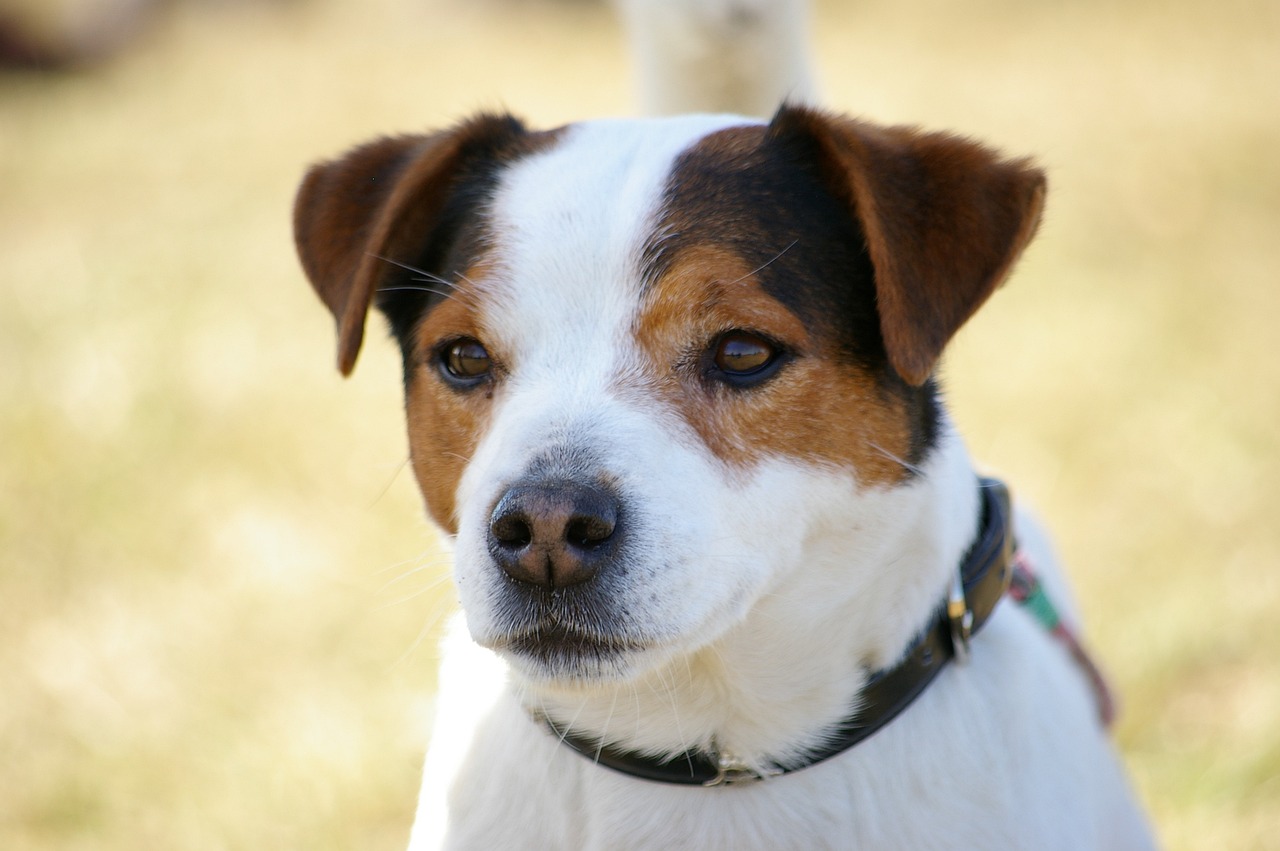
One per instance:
[(728, 575)]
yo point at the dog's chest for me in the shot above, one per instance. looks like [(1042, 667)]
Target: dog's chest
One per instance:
[(903, 790)]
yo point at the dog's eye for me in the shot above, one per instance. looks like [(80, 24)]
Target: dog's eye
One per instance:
[(742, 354), (465, 361), (744, 359)]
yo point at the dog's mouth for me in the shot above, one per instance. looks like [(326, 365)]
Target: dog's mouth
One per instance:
[(558, 636), (554, 650), (554, 643), (569, 630)]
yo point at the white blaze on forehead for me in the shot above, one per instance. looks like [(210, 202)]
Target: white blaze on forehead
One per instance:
[(569, 224), (558, 293)]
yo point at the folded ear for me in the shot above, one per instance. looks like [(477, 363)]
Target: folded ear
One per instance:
[(381, 201), (944, 218)]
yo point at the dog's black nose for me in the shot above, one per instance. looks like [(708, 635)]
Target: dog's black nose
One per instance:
[(553, 534)]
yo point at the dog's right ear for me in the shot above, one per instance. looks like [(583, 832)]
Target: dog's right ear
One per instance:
[(381, 202), (944, 220)]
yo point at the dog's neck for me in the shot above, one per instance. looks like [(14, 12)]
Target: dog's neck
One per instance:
[(768, 689)]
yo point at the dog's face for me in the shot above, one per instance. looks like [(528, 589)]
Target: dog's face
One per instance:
[(649, 364)]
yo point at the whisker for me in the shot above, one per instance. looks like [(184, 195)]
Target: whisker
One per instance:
[(401, 563), (638, 714), (421, 592), (440, 293), (894, 458), (568, 728), (436, 565), (404, 266), (767, 263), (604, 730), (428, 277), (432, 278), (542, 712), (429, 625), (669, 689), (395, 474)]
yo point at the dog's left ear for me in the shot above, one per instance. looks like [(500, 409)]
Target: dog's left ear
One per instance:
[(382, 202), (944, 218)]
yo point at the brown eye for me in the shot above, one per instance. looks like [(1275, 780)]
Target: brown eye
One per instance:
[(741, 354), (743, 360), (465, 361)]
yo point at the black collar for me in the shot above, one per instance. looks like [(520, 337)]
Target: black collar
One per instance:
[(982, 579)]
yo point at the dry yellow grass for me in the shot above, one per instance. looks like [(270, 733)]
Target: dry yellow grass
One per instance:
[(218, 594)]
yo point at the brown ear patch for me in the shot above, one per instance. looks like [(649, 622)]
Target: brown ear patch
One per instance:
[(357, 216), (944, 218)]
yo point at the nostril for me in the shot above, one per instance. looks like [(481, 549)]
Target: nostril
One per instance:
[(585, 531), (512, 530)]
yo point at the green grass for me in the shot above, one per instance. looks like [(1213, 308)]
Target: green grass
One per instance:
[(219, 597)]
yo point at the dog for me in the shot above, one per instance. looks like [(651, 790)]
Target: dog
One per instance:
[(729, 578)]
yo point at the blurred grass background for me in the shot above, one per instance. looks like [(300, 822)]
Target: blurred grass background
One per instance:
[(218, 601)]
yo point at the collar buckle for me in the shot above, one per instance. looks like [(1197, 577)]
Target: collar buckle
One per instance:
[(960, 617), (731, 770)]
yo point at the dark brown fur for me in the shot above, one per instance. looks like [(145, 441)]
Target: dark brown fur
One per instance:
[(944, 218)]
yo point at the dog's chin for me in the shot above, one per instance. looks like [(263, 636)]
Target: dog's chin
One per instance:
[(558, 655)]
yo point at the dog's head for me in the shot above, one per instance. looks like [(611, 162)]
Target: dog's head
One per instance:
[(650, 365)]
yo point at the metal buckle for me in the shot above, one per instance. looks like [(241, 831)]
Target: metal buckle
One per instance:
[(961, 618), (730, 770)]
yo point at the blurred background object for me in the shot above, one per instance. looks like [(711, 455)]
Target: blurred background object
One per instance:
[(58, 34), (746, 56), (220, 598), (63, 35)]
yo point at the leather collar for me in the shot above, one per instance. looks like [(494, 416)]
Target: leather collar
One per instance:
[(981, 581)]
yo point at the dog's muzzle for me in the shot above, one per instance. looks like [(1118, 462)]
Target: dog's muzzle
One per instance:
[(561, 544)]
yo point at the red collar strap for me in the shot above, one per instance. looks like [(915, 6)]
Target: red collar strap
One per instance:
[(982, 579)]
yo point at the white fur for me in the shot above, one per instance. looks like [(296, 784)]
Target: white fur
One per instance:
[(762, 596)]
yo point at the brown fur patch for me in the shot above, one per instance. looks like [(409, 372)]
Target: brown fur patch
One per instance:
[(816, 408), (445, 424)]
